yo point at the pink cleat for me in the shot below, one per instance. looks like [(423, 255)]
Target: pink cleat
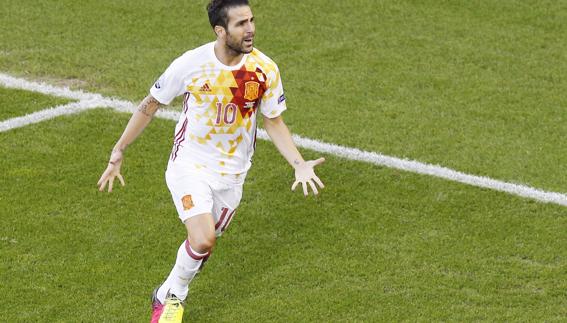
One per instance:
[(170, 312), (157, 307)]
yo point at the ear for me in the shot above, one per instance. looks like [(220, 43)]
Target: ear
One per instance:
[(219, 31)]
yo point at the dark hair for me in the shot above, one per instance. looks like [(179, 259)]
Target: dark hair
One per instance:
[(218, 11)]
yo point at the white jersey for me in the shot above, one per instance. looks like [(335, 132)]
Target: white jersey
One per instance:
[(216, 131)]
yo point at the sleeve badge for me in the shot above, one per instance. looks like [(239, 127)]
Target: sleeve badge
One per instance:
[(281, 99), (187, 202)]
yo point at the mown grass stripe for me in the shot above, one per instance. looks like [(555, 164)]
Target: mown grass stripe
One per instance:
[(427, 169), (90, 100)]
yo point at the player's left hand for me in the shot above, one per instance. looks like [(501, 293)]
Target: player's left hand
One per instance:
[(305, 174)]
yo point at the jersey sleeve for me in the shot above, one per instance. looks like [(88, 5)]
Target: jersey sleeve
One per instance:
[(273, 101), (170, 84)]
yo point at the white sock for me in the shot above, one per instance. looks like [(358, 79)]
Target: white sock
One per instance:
[(186, 267)]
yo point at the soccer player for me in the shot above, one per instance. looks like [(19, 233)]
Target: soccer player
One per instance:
[(224, 85)]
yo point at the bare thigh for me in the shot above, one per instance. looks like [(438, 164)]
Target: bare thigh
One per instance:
[(201, 232)]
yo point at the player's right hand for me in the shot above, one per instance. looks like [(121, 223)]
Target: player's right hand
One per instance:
[(112, 171)]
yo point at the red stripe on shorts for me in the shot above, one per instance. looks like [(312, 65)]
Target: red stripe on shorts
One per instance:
[(228, 220), (223, 215)]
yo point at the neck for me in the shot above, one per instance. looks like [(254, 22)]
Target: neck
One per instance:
[(226, 55)]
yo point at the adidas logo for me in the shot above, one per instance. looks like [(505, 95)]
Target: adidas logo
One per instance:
[(205, 88)]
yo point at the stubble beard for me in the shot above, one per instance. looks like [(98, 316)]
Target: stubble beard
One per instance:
[(237, 48)]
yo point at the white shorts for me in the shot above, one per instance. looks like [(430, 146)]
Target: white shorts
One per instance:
[(196, 193)]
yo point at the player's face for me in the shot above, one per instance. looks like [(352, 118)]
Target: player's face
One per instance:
[(240, 30)]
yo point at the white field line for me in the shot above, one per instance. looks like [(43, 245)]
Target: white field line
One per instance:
[(40, 87), (427, 169), (39, 116), (92, 100)]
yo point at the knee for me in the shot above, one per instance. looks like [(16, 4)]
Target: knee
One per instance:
[(203, 243)]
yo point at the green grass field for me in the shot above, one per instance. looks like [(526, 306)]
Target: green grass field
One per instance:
[(476, 86)]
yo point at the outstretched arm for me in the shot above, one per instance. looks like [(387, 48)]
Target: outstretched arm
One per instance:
[(304, 173), (138, 122)]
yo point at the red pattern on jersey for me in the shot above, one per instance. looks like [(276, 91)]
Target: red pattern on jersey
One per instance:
[(242, 76)]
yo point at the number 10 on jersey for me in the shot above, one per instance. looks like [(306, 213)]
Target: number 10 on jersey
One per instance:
[(225, 115)]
